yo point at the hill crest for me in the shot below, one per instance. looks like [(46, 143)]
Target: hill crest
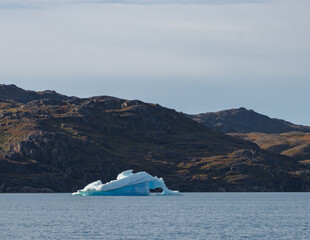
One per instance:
[(14, 93), (242, 120)]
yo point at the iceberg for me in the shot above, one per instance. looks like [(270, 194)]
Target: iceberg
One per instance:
[(127, 183)]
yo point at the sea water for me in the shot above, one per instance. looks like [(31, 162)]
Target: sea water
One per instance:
[(189, 216)]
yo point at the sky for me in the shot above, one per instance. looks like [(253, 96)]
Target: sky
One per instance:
[(190, 55)]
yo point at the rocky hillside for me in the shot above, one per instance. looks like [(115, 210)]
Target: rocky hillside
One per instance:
[(273, 135), (242, 120), (59, 144)]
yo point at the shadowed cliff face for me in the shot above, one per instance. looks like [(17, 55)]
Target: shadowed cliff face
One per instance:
[(242, 120), (62, 144)]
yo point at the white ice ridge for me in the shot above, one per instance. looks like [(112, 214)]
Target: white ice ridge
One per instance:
[(127, 183)]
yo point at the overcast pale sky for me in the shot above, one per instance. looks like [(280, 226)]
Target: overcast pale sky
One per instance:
[(190, 55)]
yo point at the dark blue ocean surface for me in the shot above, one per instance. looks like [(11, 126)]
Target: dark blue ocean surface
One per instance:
[(190, 216)]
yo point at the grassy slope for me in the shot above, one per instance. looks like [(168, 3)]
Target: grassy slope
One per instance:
[(292, 144)]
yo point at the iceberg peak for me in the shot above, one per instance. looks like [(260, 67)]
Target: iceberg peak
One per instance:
[(126, 183), (124, 174)]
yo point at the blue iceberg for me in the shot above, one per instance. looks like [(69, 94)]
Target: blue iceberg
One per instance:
[(127, 183)]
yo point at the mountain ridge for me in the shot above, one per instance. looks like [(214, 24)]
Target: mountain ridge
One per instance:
[(60, 145), (12, 92), (242, 120)]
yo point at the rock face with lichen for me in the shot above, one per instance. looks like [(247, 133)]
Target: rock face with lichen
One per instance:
[(53, 143)]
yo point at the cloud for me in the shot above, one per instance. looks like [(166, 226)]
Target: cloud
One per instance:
[(31, 4), (197, 42), (77, 44)]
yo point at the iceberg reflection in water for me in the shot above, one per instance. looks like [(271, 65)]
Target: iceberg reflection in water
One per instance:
[(127, 183)]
